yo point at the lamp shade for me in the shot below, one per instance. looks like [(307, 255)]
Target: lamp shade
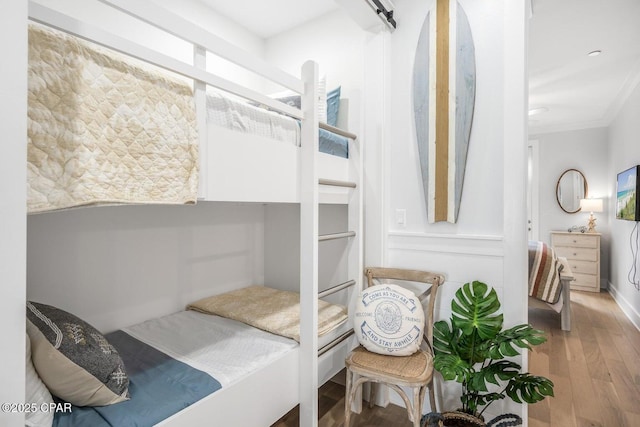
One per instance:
[(591, 205)]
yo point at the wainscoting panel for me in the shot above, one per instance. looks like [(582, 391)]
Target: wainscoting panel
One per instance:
[(461, 258)]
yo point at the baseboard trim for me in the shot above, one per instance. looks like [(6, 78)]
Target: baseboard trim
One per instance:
[(625, 306)]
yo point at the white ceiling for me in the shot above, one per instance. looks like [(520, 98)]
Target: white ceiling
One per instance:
[(581, 91), (267, 18), (578, 91)]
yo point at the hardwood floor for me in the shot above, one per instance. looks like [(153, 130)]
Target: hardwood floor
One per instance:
[(331, 412), (595, 367)]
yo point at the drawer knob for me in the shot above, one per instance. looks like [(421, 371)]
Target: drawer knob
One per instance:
[(575, 241), (574, 254)]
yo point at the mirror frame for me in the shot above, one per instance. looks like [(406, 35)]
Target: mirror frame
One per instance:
[(586, 189)]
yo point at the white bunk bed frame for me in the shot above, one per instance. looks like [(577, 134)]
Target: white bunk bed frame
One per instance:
[(281, 173)]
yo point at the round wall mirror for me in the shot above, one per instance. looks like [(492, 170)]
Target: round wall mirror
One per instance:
[(571, 187)]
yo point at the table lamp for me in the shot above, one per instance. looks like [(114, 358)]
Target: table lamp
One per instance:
[(591, 205)]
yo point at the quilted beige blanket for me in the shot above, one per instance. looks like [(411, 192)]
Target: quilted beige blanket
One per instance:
[(104, 129), (269, 309)]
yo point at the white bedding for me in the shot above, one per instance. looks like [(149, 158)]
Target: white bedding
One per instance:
[(223, 110), (225, 349)]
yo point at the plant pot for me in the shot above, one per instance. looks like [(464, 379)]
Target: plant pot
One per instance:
[(462, 419)]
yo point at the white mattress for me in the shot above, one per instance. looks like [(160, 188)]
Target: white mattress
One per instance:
[(225, 349)]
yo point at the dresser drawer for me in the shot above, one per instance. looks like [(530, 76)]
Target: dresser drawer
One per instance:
[(585, 281), (576, 240), (580, 254), (583, 267)]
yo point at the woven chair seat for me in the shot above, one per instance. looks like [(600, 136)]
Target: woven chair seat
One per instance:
[(415, 368)]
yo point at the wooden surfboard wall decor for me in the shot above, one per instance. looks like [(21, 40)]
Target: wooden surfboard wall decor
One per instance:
[(444, 87)]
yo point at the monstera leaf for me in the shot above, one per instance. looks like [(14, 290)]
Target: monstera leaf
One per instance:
[(529, 388), (474, 310), (522, 336), (452, 367), (502, 370), (445, 339)]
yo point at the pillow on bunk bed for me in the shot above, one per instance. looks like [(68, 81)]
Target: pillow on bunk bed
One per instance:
[(294, 100), (389, 320), (269, 309), (74, 360), (36, 393), (333, 106)]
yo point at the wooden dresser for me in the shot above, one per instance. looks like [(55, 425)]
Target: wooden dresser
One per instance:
[(582, 251)]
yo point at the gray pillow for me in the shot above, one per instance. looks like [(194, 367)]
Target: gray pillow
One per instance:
[(74, 359), (293, 101)]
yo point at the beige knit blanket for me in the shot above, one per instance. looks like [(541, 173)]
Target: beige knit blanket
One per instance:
[(269, 309), (104, 128)]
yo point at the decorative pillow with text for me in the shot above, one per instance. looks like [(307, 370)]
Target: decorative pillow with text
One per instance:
[(389, 320)]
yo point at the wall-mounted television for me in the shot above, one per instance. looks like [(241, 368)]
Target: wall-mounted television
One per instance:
[(627, 202)]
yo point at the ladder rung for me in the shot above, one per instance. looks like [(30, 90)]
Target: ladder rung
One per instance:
[(323, 237), (338, 131), (336, 288), (336, 183), (335, 342)]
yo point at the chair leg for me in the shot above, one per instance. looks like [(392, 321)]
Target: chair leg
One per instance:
[(372, 393), (417, 406), (347, 399), (423, 392), (432, 397)]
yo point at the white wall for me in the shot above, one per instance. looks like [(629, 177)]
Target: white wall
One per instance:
[(116, 266), (488, 242), (282, 253), (336, 43), (13, 156), (624, 153), (588, 151), (585, 150)]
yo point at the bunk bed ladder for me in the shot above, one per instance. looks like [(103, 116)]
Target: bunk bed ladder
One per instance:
[(308, 382), (310, 238)]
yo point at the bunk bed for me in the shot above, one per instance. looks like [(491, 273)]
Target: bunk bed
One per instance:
[(222, 164)]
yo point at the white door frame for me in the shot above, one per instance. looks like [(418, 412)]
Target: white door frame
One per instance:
[(533, 190)]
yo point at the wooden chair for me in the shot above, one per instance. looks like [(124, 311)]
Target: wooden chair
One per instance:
[(415, 371)]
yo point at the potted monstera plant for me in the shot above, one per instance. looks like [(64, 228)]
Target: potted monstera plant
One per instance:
[(473, 350)]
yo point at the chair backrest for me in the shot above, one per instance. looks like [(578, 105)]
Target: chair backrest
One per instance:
[(433, 279)]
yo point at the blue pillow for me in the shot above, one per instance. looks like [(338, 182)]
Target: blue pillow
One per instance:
[(333, 104)]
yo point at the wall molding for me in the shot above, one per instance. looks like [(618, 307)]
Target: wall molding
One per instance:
[(625, 306), (466, 244)]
